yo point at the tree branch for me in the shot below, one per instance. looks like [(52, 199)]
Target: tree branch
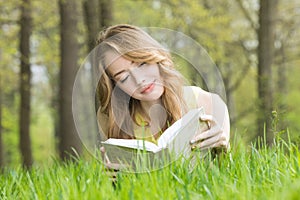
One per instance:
[(247, 15)]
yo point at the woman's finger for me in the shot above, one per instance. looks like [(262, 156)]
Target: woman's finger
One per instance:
[(215, 141), (206, 134), (208, 118), (105, 159), (103, 155), (113, 166), (108, 164), (111, 169)]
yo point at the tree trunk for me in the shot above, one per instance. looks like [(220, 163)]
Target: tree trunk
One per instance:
[(282, 89), (91, 22), (97, 15), (25, 86), (105, 14), (265, 59), (90, 8), (1, 102), (69, 140)]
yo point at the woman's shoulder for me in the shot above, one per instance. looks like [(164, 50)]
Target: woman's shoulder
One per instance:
[(195, 91), (195, 96)]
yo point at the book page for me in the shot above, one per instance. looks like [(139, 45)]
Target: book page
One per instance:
[(131, 143), (176, 128), (177, 137), (133, 160)]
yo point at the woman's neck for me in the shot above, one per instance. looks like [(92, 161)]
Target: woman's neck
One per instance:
[(147, 105), (156, 113)]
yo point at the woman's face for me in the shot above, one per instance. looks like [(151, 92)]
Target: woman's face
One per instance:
[(141, 81)]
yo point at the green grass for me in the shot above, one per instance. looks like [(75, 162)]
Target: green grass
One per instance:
[(245, 173)]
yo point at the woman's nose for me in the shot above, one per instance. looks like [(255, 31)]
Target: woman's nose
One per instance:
[(138, 76)]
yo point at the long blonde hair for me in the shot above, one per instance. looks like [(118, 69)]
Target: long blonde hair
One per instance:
[(135, 45)]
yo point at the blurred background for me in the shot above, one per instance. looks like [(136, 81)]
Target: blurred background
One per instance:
[(255, 45)]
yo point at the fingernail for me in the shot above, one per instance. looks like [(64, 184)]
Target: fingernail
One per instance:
[(192, 141)]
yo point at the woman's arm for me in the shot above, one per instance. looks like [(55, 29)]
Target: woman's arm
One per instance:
[(217, 117)]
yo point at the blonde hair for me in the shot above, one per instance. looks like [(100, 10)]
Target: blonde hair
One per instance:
[(135, 45)]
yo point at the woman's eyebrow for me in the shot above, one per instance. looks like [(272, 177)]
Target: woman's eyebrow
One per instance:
[(123, 70), (118, 73)]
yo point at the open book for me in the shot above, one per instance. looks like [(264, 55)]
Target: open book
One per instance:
[(174, 142)]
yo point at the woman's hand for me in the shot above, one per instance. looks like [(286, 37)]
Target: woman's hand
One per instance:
[(212, 137), (111, 168)]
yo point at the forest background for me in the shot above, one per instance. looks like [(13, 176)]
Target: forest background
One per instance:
[(35, 93)]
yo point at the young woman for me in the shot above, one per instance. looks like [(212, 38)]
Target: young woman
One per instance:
[(141, 93)]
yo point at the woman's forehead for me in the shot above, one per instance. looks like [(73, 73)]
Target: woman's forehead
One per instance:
[(115, 62)]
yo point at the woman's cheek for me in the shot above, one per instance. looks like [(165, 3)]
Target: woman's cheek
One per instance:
[(128, 90)]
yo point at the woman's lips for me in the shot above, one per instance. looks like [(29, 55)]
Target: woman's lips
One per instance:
[(148, 88)]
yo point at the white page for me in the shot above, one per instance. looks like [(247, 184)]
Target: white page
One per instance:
[(137, 144), (178, 126)]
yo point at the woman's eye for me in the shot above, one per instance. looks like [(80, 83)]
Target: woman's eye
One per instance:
[(143, 63), (122, 80)]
